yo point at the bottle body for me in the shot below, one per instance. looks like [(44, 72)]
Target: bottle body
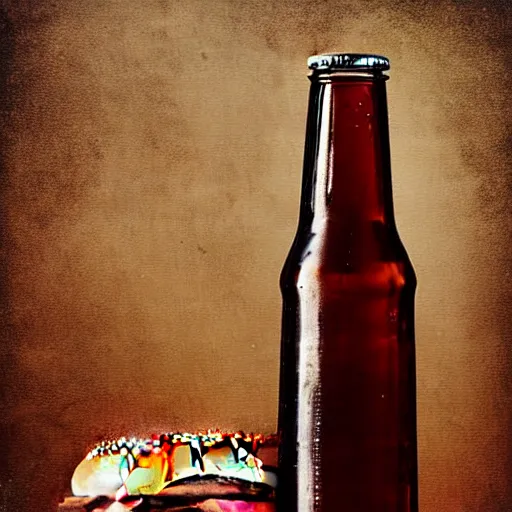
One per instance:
[(347, 417)]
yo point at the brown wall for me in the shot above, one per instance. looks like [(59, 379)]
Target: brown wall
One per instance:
[(152, 157)]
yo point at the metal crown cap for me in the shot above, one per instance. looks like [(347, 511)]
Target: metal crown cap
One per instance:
[(348, 61)]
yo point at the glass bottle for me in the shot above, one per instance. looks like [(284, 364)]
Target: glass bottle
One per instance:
[(347, 414)]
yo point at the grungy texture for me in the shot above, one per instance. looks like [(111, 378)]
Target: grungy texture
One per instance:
[(151, 160)]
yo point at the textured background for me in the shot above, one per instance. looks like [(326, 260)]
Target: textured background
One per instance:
[(151, 154)]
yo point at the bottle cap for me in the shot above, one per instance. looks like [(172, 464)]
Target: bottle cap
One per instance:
[(348, 61)]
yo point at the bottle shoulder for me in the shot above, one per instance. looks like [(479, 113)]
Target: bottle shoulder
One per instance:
[(378, 277), (345, 259)]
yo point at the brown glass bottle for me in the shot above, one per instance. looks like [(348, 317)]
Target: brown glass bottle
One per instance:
[(347, 415)]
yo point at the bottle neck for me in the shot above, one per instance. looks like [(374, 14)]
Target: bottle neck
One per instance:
[(347, 176)]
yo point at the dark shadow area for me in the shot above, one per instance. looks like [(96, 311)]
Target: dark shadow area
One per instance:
[(6, 335)]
